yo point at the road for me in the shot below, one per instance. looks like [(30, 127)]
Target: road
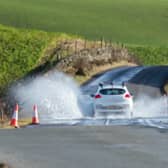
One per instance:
[(84, 146)]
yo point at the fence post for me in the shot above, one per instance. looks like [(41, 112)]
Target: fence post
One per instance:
[(105, 43), (85, 42), (101, 42), (76, 46)]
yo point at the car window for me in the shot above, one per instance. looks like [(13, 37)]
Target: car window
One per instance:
[(112, 91)]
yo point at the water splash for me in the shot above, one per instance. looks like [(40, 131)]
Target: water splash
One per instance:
[(56, 95), (145, 106)]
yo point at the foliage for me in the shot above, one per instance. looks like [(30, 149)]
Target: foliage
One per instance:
[(21, 51), (148, 55)]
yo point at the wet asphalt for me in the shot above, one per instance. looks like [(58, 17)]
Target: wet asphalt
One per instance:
[(84, 146)]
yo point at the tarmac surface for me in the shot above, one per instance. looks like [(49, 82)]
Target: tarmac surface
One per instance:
[(85, 146)]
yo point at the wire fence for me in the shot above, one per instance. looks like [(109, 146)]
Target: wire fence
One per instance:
[(67, 48)]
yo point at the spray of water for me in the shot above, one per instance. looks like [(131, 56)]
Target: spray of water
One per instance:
[(56, 95), (147, 107)]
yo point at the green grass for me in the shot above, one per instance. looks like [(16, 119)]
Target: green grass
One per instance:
[(142, 22), (21, 51), (148, 55)]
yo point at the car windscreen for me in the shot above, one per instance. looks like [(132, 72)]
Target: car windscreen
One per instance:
[(112, 91)]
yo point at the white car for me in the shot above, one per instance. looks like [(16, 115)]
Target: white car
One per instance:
[(112, 99)]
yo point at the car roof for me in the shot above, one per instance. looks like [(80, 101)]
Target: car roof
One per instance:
[(112, 86)]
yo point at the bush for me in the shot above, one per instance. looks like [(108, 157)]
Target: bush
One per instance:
[(20, 51), (150, 55)]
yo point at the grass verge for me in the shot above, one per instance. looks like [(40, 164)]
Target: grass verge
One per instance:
[(22, 123)]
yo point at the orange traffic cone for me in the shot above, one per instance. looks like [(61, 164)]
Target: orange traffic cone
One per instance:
[(35, 119), (14, 120)]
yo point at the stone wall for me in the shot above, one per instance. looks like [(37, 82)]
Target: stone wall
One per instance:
[(83, 62)]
